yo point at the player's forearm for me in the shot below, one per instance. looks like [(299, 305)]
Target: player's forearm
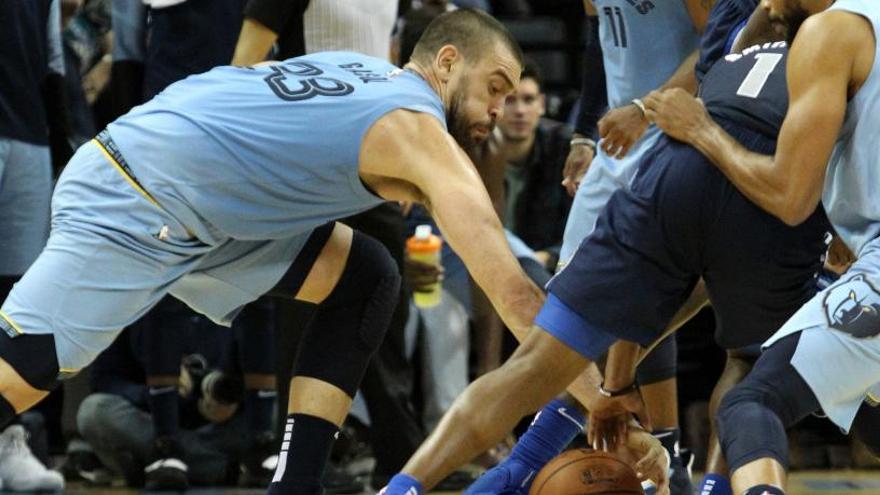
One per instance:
[(620, 370), (474, 231), (254, 43), (594, 95), (753, 174), (585, 389)]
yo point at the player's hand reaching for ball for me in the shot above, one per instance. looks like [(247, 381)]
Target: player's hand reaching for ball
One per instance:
[(677, 113), (610, 418), (647, 455), (620, 128)]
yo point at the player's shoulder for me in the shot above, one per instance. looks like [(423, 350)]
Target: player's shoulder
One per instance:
[(403, 132), (835, 29)]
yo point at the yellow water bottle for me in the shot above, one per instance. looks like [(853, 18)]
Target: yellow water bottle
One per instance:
[(425, 247)]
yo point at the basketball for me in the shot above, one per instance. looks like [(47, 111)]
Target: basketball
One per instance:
[(586, 472)]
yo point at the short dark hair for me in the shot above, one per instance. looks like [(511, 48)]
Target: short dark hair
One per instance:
[(415, 22), (531, 71), (469, 30)]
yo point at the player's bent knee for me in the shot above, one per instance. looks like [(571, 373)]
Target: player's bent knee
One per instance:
[(350, 324), (751, 426)]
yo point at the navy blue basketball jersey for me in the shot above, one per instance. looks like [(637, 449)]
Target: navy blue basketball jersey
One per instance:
[(749, 88)]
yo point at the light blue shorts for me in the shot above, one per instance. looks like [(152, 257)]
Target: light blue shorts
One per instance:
[(25, 191), (838, 353), (605, 175), (112, 254)]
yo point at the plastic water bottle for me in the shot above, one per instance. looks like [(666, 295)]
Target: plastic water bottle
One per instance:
[(425, 247)]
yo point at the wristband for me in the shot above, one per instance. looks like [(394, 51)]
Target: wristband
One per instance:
[(632, 387), (641, 106), (583, 142)]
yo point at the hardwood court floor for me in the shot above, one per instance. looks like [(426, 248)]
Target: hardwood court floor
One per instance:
[(802, 483)]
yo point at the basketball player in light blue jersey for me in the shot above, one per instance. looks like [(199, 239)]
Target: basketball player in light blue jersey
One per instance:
[(645, 45), (827, 356), (225, 187)]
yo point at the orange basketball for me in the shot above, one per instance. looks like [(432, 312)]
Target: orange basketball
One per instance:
[(586, 472)]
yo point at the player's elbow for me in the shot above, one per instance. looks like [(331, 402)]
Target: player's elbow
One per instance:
[(794, 213)]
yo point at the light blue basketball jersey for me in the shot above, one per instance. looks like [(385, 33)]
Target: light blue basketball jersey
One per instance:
[(266, 152), (643, 42), (851, 183)]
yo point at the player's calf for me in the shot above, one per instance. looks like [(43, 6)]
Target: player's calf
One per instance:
[(345, 331)]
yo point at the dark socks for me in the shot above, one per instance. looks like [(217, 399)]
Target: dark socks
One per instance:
[(715, 484), (164, 408), (258, 406), (305, 450), (553, 428)]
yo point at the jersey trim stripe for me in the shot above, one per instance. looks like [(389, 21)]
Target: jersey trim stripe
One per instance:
[(11, 323), (128, 178)]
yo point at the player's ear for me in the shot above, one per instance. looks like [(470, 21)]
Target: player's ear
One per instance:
[(446, 60)]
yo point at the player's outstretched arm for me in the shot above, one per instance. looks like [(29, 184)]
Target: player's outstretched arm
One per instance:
[(409, 153), (820, 76)]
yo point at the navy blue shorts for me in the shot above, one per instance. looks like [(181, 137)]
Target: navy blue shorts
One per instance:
[(682, 220)]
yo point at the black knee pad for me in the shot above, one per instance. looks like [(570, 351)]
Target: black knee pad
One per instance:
[(33, 357), (754, 415), (661, 364), (750, 427), (350, 324)]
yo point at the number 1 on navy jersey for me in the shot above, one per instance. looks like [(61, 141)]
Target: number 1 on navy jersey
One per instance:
[(757, 77)]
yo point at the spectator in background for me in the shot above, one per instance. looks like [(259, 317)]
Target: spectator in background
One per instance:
[(183, 38), (529, 153), (31, 140), (116, 419), (86, 44)]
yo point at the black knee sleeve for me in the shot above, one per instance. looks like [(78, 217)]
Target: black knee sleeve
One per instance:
[(754, 415), (350, 324), (749, 428), (661, 364), (33, 357)]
